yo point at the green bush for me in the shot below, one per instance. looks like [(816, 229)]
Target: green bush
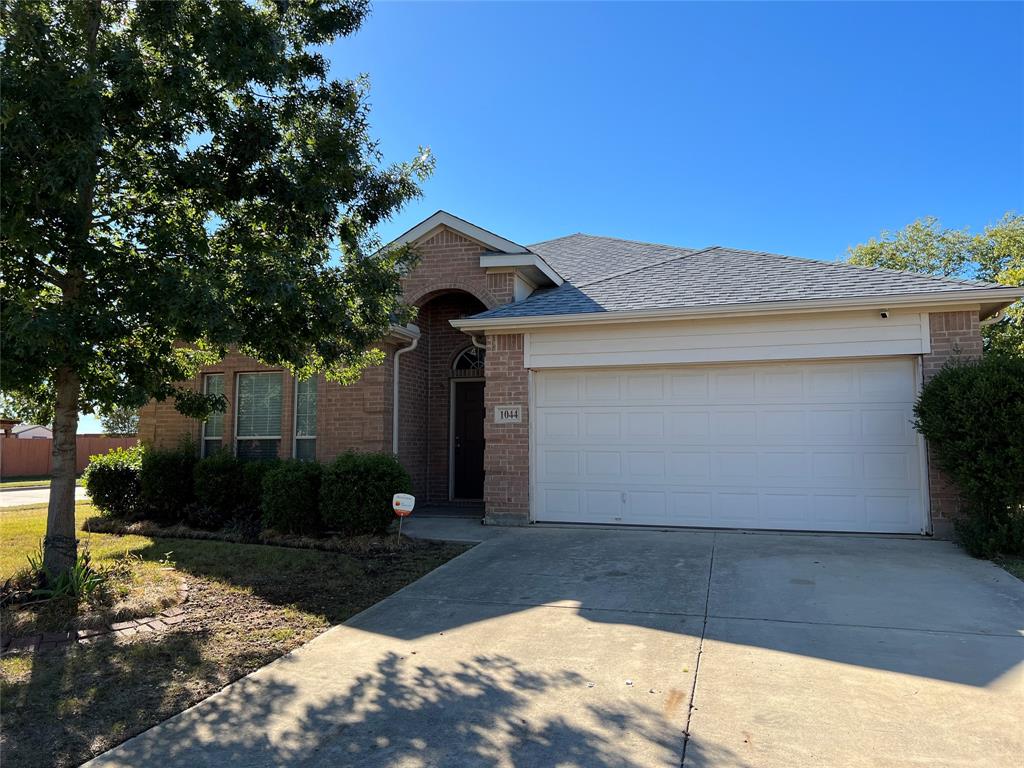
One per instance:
[(291, 498), (972, 414), (219, 487), (252, 496), (165, 484), (112, 480), (356, 491)]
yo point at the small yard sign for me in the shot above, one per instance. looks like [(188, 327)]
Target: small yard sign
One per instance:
[(508, 414), (403, 504)]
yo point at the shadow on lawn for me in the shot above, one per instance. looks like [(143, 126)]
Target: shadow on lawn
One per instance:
[(477, 713), (328, 584), (98, 694)]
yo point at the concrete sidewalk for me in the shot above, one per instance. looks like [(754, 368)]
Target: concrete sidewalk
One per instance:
[(582, 647)]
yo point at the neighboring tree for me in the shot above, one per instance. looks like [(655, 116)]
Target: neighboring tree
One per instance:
[(180, 177), (120, 421), (996, 255)]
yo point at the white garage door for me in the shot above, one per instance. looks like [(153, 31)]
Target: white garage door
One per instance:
[(798, 446)]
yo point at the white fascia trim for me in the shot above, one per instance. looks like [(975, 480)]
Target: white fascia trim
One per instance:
[(522, 260), (472, 231), (942, 300), (403, 332)]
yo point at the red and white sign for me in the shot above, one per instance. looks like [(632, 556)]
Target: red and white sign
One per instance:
[(403, 503)]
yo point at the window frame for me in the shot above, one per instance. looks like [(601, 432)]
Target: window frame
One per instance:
[(295, 418), (203, 439), (238, 399)]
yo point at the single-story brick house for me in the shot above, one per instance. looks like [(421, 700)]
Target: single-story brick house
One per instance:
[(595, 380)]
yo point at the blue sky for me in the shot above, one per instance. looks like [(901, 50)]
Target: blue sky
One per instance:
[(799, 128), (796, 128)]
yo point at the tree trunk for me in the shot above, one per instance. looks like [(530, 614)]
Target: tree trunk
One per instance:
[(60, 545)]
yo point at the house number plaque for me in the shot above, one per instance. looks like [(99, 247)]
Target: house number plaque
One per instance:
[(508, 414)]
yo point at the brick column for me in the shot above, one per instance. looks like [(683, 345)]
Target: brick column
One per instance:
[(953, 335), (507, 451)]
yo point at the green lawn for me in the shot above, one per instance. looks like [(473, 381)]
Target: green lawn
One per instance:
[(22, 530), (30, 482), (248, 604), (1014, 565)]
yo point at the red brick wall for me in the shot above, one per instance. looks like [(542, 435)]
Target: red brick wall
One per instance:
[(953, 335), (357, 416), (348, 417), (448, 262), (507, 456)]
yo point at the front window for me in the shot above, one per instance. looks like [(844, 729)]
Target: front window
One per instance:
[(258, 418), (305, 419), (213, 427)]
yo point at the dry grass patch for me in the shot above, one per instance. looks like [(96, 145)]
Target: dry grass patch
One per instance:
[(248, 604)]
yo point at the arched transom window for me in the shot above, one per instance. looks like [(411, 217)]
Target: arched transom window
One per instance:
[(470, 362)]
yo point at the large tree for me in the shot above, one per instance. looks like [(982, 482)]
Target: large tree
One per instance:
[(995, 255), (179, 177), (120, 421)]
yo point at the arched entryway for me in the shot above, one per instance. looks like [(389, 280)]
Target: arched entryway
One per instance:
[(441, 406)]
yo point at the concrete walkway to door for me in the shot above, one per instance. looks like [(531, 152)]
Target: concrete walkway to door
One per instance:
[(583, 647)]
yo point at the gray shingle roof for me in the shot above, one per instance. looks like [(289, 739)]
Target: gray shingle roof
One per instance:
[(608, 275)]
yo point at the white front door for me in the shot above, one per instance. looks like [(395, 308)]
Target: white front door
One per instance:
[(824, 446)]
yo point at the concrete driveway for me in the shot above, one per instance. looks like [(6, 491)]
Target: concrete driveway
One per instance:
[(582, 647), (16, 497)]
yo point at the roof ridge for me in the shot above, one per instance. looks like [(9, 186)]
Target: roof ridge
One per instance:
[(847, 265), (647, 266), (554, 239), (637, 242)]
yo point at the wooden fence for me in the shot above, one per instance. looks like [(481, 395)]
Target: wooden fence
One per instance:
[(32, 458)]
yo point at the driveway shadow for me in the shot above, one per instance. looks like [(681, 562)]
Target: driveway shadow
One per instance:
[(407, 713)]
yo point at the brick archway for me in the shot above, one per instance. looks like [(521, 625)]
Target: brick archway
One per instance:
[(439, 288)]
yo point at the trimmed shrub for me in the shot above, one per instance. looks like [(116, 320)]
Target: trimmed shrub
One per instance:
[(219, 486), (972, 414), (112, 480), (252, 496), (356, 491), (291, 498), (165, 484)]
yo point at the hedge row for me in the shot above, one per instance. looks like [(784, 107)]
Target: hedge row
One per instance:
[(972, 414), (351, 495)]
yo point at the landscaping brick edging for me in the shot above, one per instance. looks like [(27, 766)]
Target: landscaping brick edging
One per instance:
[(47, 641)]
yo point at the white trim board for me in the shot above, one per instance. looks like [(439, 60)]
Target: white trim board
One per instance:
[(472, 231), (729, 340)]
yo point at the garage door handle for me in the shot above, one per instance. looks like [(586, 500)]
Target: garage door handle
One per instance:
[(623, 497)]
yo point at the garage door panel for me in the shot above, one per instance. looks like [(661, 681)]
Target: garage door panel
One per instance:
[(645, 425), (690, 388), (689, 466), (599, 388), (559, 425), (812, 446), (602, 424), (729, 426), (603, 464), (688, 426)]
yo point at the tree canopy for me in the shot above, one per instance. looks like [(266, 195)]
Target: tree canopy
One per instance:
[(120, 421), (179, 178), (995, 255)]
